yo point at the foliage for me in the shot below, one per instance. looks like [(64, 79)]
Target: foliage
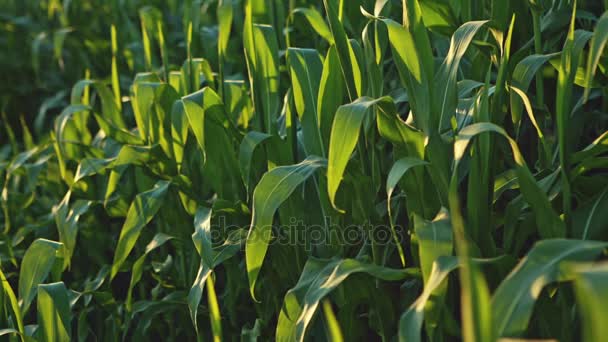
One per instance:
[(304, 170)]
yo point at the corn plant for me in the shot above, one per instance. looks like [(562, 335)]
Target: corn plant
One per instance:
[(333, 170)]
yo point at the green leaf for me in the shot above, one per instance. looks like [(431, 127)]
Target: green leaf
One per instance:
[(110, 110), (398, 169), (179, 132), (411, 320), (350, 67), (316, 22), (590, 289), (598, 146), (522, 77), (91, 166), (262, 52), (439, 17), (248, 146), (305, 67), (115, 78), (224, 18), (589, 219), (35, 267), (192, 105), (54, 315), (196, 292), (513, 301), (331, 93), (333, 326), (597, 45), (414, 60), (575, 42), (445, 80), (434, 241), (140, 213), (216, 138), (545, 158), (8, 293), (66, 220), (344, 136), (127, 156), (214, 311), (273, 189), (138, 267), (202, 235), (143, 98), (318, 279), (343, 139), (548, 222), (230, 247)]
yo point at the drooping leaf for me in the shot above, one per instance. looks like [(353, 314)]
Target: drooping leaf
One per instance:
[(522, 77), (318, 279), (514, 299), (273, 189), (548, 222), (248, 146), (397, 171)]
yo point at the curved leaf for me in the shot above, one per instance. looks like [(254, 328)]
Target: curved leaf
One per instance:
[(273, 189), (397, 171), (318, 279), (248, 146), (411, 320), (445, 80), (548, 222), (522, 77), (413, 58), (141, 211), (202, 235), (513, 301), (138, 267), (343, 139)]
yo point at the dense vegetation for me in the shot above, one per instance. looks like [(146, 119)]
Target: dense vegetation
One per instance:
[(303, 170)]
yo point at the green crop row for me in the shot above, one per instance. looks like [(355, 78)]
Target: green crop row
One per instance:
[(343, 170)]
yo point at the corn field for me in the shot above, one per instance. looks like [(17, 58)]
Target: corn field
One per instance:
[(301, 170)]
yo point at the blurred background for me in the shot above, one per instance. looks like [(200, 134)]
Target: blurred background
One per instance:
[(47, 46)]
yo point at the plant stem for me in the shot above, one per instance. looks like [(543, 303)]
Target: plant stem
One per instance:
[(538, 49)]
